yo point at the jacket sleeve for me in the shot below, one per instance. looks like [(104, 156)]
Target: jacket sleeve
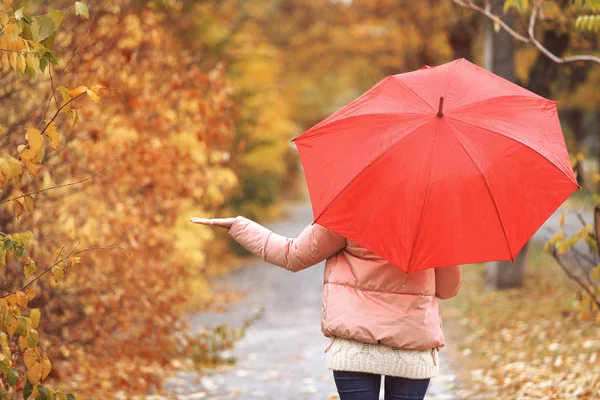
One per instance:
[(447, 281), (315, 244)]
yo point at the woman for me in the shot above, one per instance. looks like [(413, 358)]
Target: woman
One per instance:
[(381, 320)]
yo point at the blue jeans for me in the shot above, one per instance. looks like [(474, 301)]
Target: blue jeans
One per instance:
[(363, 386)]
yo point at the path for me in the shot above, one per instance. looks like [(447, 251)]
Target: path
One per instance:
[(281, 356)]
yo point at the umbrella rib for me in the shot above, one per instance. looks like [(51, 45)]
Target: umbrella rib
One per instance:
[(365, 168), (314, 131), (466, 106), (414, 242), (487, 185), (516, 140), (373, 139), (412, 91)]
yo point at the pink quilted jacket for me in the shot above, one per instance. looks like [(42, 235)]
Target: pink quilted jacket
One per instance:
[(365, 298)]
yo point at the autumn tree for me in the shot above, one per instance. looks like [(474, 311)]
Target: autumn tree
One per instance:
[(152, 152)]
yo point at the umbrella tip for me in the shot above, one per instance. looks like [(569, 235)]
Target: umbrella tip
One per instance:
[(513, 261), (440, 114)]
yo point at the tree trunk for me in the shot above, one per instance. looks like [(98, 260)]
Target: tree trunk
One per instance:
[(461, 36), (499, 57)]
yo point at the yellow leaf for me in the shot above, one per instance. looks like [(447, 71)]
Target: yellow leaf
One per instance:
[(35, 316), (58, 273), (3, 339), (31, 357), (35, 139), (32, 167), (58, 252), (93, 95), (78, 91), (29, 203), (21, 63), (17, 208), (11, 168), (23, 342), (12, 299), (27, 153), (60, 395), (30, 293), (47, 367), (75, 261), (13, 60), (53, 135), (562, 220), (96, 88), (21, 299), (40, 154), (35, 373), (12, 328)]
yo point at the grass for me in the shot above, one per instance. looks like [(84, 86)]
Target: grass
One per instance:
[(526, 343)]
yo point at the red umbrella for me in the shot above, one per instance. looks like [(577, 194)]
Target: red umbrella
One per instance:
[(440, 166)]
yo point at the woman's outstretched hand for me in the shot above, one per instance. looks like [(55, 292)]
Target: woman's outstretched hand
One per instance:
[(220, 222)]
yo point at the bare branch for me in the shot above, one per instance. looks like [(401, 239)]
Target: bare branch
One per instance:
[(530, 39), (79, 47), (576, 279), (60, 186), (52, 85), (58, 261), (495, 18)]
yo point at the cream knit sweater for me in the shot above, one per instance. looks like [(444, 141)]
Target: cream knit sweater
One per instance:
[(350, 355)]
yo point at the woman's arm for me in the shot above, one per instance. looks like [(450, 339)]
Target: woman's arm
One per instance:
[(315, 244), (447, 281)]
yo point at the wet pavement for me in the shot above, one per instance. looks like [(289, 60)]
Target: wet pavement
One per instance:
[(282, 355)]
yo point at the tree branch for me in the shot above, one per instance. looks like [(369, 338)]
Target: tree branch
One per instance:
[(60, 186), (576, 279), (58, 261), (530, 39)]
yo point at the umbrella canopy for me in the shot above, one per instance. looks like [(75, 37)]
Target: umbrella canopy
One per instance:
[(441, 166)]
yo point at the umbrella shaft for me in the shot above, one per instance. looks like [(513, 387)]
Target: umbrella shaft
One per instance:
[(440, 113)]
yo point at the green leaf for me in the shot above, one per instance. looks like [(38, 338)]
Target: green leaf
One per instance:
[(58, 273), (57, 17), (48, 43), (13, 377), (8, 244), (27, 390), (21, 251), (19, 13), (33, 338), (43, 64), (5, 369), (48, 51), (65, 94), (29, 269), (2, 258), (42, 393), (74, 115), (82, 9), (47, 28), (71, 396), (22, 328)]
